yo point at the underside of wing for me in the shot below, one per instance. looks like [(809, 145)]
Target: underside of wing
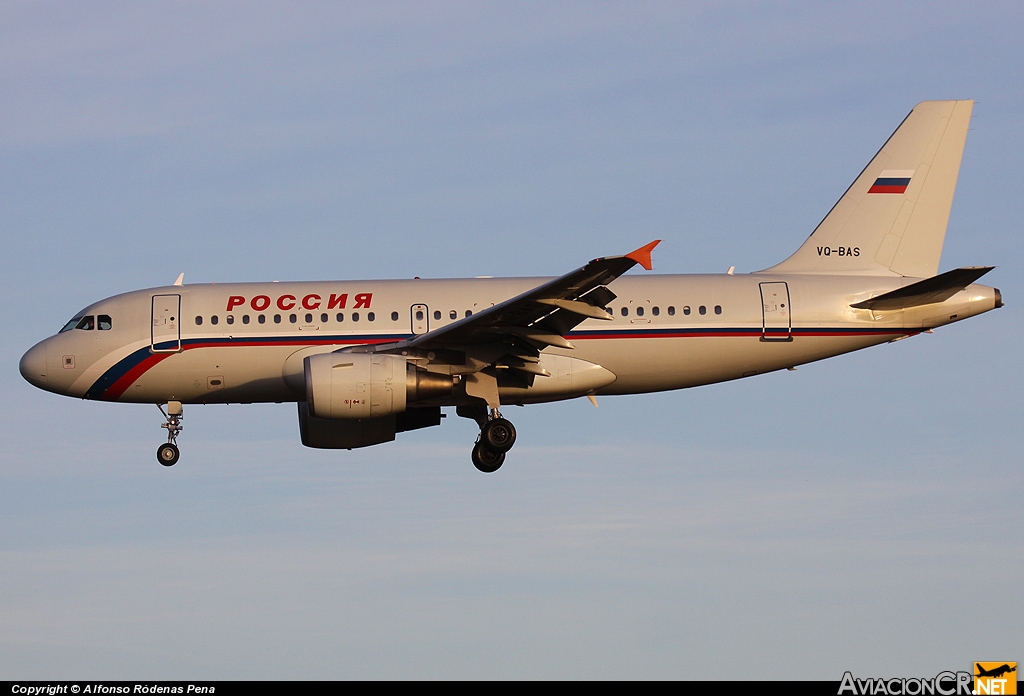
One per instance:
[(501, 346), (545, 313)]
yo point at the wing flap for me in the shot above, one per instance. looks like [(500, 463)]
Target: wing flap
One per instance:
[(578, 307)]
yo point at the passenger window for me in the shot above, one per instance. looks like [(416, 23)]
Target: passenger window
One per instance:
[(292, 318), (213, 319), (718, 309), (625, 311), (103, 322), (419, 315), (230, 319), (469, 312), (263, 318), (245, 318), (639, 311), (703, 310), (671, 311), (199, 321), (437, 314), (686, 310), (453, 314), (277, 318), (370, 316), (355, 316), (324, 318), (655, 311), (340, 317), (394, 316)]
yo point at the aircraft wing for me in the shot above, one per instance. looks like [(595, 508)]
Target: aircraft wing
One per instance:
[(544, 314)]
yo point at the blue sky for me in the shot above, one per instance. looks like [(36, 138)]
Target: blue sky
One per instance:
[(855, 514)]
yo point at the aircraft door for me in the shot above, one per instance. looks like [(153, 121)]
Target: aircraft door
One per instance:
[(776, 312), (165, 336), (420, 319)]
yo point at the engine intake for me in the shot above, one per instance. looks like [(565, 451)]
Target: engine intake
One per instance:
[(367, 385)]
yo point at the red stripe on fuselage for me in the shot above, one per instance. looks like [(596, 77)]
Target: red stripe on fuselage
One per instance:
[(125, 381), (121, 385), (689, 334)]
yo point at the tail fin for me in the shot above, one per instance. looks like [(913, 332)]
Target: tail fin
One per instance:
[(892, 219)]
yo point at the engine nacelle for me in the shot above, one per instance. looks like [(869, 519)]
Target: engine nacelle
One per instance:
[(367, 385), (336, 433)]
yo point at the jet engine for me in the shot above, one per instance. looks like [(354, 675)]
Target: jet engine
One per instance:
[(335, 433), (367, 385)]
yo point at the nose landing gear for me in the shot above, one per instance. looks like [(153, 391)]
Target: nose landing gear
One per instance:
[(167, 454), (497, 435)]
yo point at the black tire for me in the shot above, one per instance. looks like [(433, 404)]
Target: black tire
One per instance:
[(499, 435), (486, 459), (167, 454)]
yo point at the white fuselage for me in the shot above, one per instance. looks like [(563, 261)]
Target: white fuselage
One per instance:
[(368, 359), (241, 343)]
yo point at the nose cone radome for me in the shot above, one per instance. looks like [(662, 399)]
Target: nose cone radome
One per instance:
[(33, 366)]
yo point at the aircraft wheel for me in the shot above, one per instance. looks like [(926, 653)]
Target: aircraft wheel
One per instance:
[(499, 435), (487, 460), (167, 454)]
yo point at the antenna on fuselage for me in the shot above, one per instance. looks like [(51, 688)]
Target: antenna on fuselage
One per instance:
[(180, 280)]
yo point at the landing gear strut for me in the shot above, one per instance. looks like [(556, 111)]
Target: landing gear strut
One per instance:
[(497, 435), (168, 454)]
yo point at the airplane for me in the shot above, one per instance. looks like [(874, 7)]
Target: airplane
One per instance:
[(365, 360), (995, 672)]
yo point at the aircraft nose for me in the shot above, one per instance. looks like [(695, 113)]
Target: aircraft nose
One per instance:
[(33, 365)]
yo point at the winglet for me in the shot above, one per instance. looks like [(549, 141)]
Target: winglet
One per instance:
[(643, 255)]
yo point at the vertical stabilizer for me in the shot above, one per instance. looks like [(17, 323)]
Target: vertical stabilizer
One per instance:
[(892, 220)]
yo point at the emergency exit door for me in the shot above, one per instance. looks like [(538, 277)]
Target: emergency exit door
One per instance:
[(165, 336), (776, 312), (420, 319)]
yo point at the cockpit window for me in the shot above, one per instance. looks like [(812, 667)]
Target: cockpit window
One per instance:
[(70, 325), (86, 323), (104, 322)]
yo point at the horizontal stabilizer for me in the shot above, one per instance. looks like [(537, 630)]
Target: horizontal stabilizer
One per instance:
[(928, 291)]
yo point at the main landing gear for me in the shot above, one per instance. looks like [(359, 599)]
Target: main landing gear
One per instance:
[(168, 454), (497, 435)]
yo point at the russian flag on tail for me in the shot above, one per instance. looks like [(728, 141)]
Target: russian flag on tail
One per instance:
[(892, 181)]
